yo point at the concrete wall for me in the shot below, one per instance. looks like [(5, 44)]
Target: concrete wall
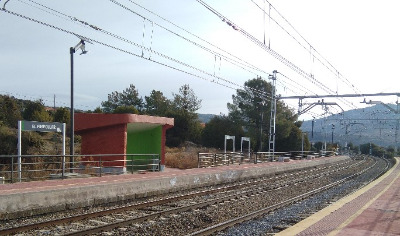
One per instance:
[(23, 204)]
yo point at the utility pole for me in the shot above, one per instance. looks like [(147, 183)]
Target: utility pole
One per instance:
[(262, 103), (272, 121)]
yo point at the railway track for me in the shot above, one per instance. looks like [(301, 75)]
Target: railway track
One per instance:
[(143, 216), (229, 223)]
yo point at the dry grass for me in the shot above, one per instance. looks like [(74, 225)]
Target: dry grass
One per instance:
[(184, 157)]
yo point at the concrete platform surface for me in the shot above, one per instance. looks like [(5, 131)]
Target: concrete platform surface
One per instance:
[(27, 198), (373, 210)]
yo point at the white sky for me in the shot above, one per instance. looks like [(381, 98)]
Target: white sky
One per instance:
[(359, 38)]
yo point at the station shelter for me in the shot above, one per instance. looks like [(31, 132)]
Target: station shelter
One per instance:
[(122, 134)]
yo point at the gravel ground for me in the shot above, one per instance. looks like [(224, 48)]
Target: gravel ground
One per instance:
[(283, 218)]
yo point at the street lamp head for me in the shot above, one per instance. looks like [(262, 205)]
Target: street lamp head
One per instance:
[(81, 46)]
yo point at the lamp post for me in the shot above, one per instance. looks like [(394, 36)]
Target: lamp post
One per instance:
[(72, 50), (302, 144), (262, 103)]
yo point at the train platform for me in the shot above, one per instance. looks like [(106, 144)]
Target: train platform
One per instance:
[(27, 198), (372, 210)]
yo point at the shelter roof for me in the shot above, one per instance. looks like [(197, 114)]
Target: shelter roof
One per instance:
[(84, 121)]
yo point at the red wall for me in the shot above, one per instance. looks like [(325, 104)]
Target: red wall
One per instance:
[(105, 140), (107, 133)]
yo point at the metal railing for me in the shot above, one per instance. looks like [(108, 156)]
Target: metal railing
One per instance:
[(227, 158), (42, 167), (219, 159)]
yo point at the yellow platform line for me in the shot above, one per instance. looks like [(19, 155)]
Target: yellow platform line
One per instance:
[(313, 219)]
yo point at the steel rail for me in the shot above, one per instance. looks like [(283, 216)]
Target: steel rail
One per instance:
[(255, 214), (115, 210), (133, 220)]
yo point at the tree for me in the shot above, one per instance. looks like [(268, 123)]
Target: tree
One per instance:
[(8, 140), (128, 97), (98, 110), (216, 129), (9, 111), (186, 101), (36, 111), (288, 133), (62, 115), (180, 132), (126, 110), (186, 126), (251, 107), (318, 146), (156, 104)]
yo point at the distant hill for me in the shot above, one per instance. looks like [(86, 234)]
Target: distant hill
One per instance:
[(377, 124), (205, 118)]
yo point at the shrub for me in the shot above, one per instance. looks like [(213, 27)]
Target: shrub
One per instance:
[(177, 158), (184, 157)]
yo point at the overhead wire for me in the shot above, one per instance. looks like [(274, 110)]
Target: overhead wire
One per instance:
[(269, 50), (309, 49), (232, 61), (300, 87), (203, 40), (48, 9), (84, 23), (323, 60), (260, 93), (150, 50)]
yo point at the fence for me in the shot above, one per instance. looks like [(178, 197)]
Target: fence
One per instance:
[(219, 159), (42, 167), (225, 158)]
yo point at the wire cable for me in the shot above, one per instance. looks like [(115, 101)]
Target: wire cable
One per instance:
[(236, 58), (259, 93), (269, 50), (84, 23), (320, 58)]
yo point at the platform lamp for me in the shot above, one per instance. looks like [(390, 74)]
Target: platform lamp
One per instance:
[(72, 50)]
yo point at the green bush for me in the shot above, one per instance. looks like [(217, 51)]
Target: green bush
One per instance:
[(31, 142)]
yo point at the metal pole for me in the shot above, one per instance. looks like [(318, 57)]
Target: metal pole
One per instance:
[(71, 144), (312, 128), (225, 145), (63, 150), (12, 169), (272, 123), (302, 145), (100, 165), (261, 127), (19, 151)]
